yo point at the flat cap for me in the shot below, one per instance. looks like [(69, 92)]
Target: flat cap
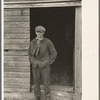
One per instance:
[(40, 28)]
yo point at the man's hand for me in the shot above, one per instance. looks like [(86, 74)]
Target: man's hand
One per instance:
[(43, 64), (34, 63)]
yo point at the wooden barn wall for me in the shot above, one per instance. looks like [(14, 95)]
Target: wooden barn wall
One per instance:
[(16, 42)]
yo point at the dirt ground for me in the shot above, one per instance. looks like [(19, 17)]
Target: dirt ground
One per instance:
[(55, 95)]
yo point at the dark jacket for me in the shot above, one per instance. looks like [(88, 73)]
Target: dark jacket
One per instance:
[(47, 53)]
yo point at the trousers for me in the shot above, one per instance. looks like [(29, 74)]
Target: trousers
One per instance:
[(43, 73)]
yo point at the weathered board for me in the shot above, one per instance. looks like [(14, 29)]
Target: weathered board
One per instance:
[(16, 69), (12, 90), (17, 74), (16, 80), (16, 12), (17, 64), (37, 1), (78, 51), (16, 85), (16, 19), (16, 58), (16, 44), (15, 47), (36, 5), (12, 12), (16, 30), (16, 36), (16, 41), (16, 24)]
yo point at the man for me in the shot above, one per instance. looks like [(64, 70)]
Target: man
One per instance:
[(41, 54)]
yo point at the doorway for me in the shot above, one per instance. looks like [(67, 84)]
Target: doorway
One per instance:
[(60, 26)]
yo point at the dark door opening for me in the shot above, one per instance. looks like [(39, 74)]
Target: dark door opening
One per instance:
[(60, 26)]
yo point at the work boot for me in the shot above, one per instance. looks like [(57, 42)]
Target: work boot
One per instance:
[(37, 98), (48, 98)]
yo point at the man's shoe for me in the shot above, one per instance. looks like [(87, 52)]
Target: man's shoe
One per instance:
[(37, 98), (48, 98)]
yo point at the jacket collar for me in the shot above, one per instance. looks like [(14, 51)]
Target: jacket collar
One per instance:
[(41, 40)]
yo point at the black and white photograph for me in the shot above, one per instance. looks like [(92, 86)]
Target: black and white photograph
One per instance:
[(42, 50)]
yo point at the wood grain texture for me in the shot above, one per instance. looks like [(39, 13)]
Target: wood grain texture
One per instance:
[(16, 64), (16, 69), (16, 18), (16, 12), (16, 80), (16, 51), (16, 58), (16, 41), (16, 30), (12, 90), (16, 85), (16, 24), (11, 12), (17, 74), (36, 5), (78, 53), (16, 36), (37, 1), (16, 47)]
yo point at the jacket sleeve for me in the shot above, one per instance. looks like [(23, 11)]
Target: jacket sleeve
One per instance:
[(52, 51)]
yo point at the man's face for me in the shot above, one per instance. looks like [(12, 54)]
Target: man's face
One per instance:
[(39, 34)]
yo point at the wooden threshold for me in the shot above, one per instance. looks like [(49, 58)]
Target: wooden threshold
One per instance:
[(58, 88)]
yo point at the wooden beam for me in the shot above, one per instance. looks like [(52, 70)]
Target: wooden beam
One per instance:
[(42, 4), (78, 53), (39, 1)]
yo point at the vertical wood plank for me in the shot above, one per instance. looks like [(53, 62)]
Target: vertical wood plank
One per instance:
[(78, 52)]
